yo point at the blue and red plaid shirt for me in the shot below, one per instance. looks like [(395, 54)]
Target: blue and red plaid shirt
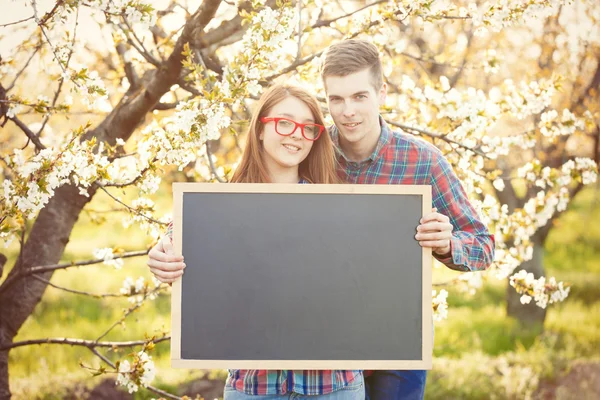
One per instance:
[(403, 159)]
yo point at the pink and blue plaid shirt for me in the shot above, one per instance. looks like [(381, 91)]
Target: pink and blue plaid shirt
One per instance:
[(270, 382)]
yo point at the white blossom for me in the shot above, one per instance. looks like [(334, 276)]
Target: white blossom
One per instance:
[(499, 184), (440, 305), (123, 377), (108, 256), (525, 299), (142, 372)]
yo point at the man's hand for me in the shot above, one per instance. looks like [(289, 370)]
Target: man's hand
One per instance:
[(163, 263), (435, 231)]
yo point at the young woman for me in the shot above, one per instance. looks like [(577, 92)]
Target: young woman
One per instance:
[(287, 143)]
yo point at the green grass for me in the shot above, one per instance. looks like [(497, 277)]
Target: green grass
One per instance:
[(574, 243), (479, 352)]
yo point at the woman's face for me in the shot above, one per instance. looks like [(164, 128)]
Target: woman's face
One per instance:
[(283, 152)]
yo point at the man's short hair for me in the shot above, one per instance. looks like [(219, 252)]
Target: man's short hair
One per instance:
[(350, 56)]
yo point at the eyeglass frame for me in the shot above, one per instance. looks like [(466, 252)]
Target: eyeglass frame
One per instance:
[(297, 125)]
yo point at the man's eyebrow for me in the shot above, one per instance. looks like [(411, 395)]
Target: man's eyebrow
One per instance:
[(292, 117), (363, 92)]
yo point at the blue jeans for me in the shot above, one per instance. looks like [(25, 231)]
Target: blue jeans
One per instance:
[(395, 385), (354, 391)]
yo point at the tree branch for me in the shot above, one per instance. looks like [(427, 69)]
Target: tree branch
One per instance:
[(36, 49), (291, 67), (225, 30), (185, 86), (41, 23), (212, 165), (97, 296), (62, 79), (47, 268), (149, 387), (131, 209), (436, 136), (49, 14), (130, 73), (90, 344), (450, 17), (133, 182), (328, 22), (17, 22), (431, 61), (141, 49), (166, 106), (131, 309), (32, 136)]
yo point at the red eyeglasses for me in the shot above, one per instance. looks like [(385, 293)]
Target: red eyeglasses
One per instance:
[(286, 127)]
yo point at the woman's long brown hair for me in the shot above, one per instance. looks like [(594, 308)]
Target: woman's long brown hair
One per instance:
[(317, 167)]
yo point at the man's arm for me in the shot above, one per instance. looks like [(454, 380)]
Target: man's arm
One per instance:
[(463, 241)]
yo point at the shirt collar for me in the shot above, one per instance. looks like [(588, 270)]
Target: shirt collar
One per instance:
[(384, 139)]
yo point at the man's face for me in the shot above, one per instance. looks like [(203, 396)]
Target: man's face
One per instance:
[(354, 106)]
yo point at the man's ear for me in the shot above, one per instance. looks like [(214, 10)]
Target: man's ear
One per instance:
[(382, 94)]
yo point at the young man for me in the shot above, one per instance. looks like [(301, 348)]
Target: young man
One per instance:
[(369, 152)]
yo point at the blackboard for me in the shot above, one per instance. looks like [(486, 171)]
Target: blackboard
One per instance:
[(301, 277)]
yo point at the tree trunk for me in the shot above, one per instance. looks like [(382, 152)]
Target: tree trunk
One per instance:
[(529, 315), (52, 228), (45, 245), (4, 388)]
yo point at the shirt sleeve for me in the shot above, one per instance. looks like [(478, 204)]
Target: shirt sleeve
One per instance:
[(169, 232), (472, 245)]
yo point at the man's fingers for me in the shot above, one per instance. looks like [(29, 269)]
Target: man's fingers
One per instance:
[(434, 243), (435, 227), (433, 236), (434, 216)]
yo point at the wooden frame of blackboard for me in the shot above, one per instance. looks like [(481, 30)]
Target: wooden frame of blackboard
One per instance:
[(179, 189)]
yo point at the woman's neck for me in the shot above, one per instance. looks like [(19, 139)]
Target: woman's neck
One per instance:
[(279, 174)]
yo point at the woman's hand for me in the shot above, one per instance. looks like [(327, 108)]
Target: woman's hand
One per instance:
[(163, 263)]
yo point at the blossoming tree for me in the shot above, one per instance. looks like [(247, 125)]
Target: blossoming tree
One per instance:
[(507, 90)]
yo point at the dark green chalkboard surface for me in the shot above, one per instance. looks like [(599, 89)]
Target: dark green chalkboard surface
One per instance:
[(301, 277)]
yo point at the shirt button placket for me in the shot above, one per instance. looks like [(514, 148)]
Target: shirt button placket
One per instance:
[(354, 168)]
